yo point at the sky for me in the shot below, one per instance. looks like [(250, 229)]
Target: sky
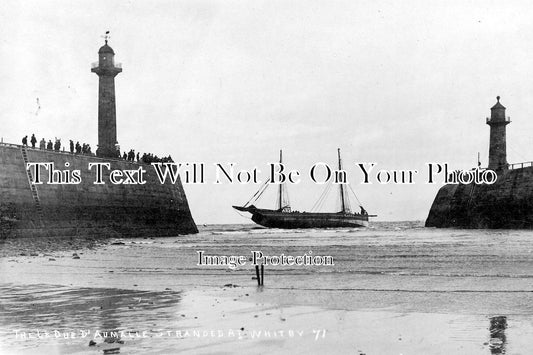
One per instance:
[(398, 83)]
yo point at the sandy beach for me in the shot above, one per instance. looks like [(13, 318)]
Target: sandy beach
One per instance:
[(380, 298)]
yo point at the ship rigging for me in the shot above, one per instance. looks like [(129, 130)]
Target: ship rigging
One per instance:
[(283, 216)]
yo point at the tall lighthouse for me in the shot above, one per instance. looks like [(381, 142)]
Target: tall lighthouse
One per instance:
[(497, 145), (106, 69)]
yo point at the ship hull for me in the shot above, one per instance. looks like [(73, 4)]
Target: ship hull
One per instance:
[(296, 220)]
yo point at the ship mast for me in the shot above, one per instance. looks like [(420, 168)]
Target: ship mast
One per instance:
[(343, 208), (282, 203), (345, 203), (280, 206)]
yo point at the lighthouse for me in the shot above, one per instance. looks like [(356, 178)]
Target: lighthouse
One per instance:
[(106, 69), (497, 145)]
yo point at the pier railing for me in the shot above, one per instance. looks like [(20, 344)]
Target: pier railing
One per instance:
[(526, 164), (10, 145)]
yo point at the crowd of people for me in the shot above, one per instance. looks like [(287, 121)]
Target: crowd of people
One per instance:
[(150, 158), (146, 158), (56, 145), (78, 148)]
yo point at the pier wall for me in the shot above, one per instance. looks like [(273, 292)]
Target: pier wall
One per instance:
[(508, 203), (152, 209)]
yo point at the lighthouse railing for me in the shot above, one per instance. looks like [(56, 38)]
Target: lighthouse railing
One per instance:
[(506, 120), (97, 64)]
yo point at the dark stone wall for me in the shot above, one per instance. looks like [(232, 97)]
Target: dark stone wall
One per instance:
[(107, 122), (152, 209), (497, 147), (508, 203)]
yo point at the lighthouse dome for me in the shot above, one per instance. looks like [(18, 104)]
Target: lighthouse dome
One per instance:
[(498, 105), (106, 49)]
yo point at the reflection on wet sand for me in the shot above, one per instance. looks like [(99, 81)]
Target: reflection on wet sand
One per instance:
[(497, 334), (111, 329), (46, 313)]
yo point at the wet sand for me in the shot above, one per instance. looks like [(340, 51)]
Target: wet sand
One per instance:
[(381, 298), (36, 246)]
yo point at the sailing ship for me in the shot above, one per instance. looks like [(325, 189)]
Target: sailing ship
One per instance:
[(284, 217)]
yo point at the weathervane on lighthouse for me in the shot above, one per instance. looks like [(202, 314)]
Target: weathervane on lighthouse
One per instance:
[(106, 36)]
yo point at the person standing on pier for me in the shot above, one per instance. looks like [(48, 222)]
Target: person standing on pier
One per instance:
[(33, 140), (57, 145)]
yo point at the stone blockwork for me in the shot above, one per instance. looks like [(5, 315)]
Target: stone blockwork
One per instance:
[(508, 203), (152, 209)]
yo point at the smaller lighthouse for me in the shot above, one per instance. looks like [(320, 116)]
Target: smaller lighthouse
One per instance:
[(497, 145), (106, 69)]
